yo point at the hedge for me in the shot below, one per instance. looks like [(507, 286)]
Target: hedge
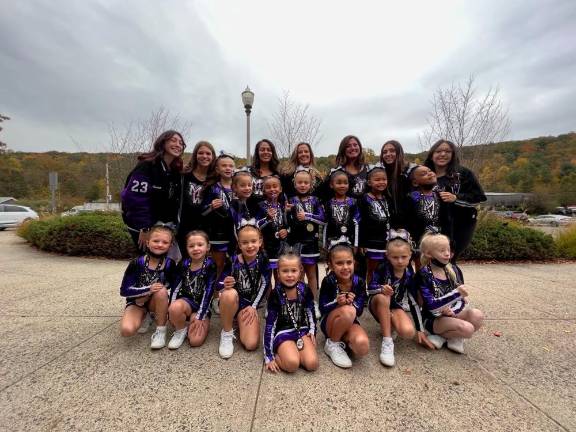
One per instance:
[(105, 235), (567, 243), (501, 240), (89, 234)]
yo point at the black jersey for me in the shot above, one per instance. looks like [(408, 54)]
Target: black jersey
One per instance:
[(376, 222), (197, 286), (342, 220)]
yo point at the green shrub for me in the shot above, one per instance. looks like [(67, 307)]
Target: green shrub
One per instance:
[(501, 240), (566, 243), (89, 234)]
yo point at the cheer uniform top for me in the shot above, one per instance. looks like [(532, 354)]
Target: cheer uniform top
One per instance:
[(195, 286), (219, 221), (279, 324), (138, 278), (327, 298), (191, 218), (356, 185), (405, 291), (151, 194), (258, 183), (438, 293), (376, 221), (270, 226), (306, 232), (252, 279), (342, 220), (426, 213)]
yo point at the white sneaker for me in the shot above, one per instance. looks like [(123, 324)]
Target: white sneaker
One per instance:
[(437, 341), (317, 310), (215, 306), (336, 352), (158, 339), (226, 348), (146, 323), (387, 354), (178, 338), (456, 345)]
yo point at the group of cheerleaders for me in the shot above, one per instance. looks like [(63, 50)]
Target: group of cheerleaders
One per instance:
[(234, 240)]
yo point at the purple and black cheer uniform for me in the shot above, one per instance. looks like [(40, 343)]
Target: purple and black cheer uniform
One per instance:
[(138, 278), (342, 220), (376, 221), (252, 280), (438, 293), (405, 291), (279, 325), (327, 298), (306, 232), (219, 221), (270, 228), (195, 286), (191, 217), (425, 213), (151, 194)]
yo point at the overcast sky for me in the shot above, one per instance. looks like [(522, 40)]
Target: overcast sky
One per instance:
[(69, 69)]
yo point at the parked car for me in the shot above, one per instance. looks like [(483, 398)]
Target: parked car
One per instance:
[(12, 215), (515, 215), (551, 220)]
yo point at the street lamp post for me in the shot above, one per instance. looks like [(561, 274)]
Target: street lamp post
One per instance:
[(248, 100)]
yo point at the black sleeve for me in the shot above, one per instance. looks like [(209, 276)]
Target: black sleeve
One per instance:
[(470, 190)]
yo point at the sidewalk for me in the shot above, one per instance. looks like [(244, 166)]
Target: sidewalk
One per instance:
[(65, 367)]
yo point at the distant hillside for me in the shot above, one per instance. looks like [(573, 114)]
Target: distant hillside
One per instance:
[(545, 166)]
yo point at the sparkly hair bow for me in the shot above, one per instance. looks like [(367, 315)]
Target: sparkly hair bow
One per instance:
[(246, 223), (375, 166), (339, 168), (341, 241), (244, 169), (223, 154), (301, 168), (169, 225)]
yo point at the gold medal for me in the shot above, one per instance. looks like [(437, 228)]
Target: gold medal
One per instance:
[(309, 227)]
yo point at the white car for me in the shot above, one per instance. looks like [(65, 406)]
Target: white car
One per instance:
[(12, 215), (551, 220)]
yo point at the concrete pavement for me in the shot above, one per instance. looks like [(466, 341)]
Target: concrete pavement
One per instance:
[(64, 365)]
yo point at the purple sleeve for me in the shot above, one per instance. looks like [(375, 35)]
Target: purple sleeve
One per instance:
[(359, 295), (355, 221), (327, 298), (265, 276), (227, 271), (129, 286), (269, 329), (378, 279), (318, 215), (431, 303), (208, 291), (137, 202), (309, 306)]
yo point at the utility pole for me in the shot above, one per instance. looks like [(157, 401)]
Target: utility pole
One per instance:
[(53, 183)]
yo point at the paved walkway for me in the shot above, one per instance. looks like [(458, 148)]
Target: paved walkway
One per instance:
[(65, 367)]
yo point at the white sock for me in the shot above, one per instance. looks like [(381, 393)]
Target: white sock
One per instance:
[(161, 329), (387, 340)]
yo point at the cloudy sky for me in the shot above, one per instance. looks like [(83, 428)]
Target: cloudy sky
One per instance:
[(70, 69)]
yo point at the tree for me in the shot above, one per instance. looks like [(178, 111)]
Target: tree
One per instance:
[(292, 124), (137, 137), (3, 145), (461, 115)]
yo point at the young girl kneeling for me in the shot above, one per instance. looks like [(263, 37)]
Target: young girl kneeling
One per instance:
[(145, 286), (193, 292), (244, 283), (393, 294), (290, 334), (342, 298), (448, 317)]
